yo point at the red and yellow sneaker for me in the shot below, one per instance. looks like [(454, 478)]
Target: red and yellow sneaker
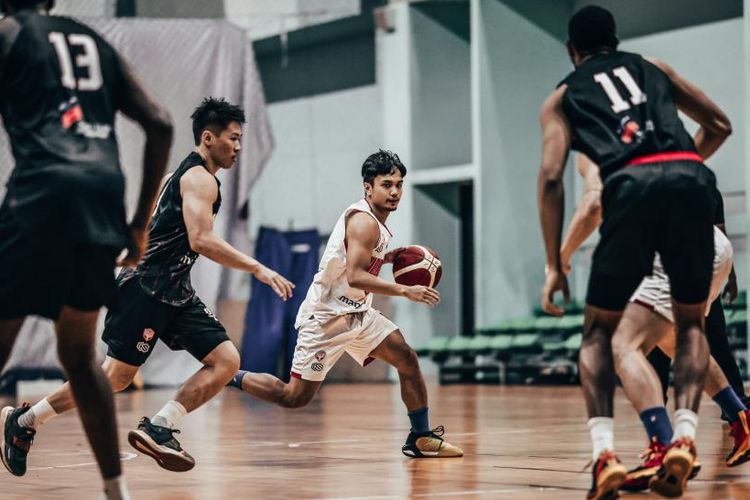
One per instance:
[(639, 477), (741, 434), (608, 475), (675, 470)]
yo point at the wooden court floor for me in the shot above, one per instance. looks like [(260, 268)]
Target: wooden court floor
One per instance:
[(520, 443)]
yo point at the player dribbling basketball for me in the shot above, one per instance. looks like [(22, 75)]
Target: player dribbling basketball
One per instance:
[(337, 314)]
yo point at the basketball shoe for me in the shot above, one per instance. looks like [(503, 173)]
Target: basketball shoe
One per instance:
[(675, 470), (430, 444), (639, 477), (607, 476), (741, 434), (160, 444), (16, 440)]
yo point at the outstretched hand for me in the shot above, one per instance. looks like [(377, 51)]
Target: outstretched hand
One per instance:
[(554, 281), (282, 286)]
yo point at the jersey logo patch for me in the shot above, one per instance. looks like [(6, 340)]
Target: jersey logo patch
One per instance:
[(148, 334), (143, 347), (320, 355)]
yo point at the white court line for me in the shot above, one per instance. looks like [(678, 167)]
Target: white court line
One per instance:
[(431, 495), (124, 456), (264, 444)]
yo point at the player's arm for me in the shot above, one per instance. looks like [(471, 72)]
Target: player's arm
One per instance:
[(715, 126), (362, 234), (136, 103), (588, 214), (199, 192), (551, 196), (9, 30)]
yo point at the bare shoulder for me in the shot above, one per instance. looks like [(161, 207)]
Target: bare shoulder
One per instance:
[(553, 102), (666, 68), (199, 181), (362, 227)]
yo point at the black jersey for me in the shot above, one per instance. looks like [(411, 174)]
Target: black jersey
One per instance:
[(164, 271), (620, 107), (59, 84)]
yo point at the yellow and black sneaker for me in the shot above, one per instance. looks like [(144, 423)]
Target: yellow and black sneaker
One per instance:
[(430, 444), (16, 440), (159, 443), (608, 475)]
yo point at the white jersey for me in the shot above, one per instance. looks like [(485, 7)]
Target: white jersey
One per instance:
[(330, 293)]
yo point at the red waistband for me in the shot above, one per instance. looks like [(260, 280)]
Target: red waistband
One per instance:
[(665, 157)]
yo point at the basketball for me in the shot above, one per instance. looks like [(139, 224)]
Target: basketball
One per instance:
[(417, 265)]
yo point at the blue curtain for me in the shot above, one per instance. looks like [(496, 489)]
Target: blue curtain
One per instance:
[(269, 338)]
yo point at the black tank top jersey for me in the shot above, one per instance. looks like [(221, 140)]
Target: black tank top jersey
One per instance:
[(164, 271), (619, 107), (59, 84)]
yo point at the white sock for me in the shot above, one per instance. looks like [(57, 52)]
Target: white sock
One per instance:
[(115, 489), (37, 415), (169, 415), (685, 424), (602, 434)]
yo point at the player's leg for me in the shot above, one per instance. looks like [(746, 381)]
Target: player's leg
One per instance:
[(91, 390), (379, 338), (120, 376), (295, 394), (686, 247), (320, 344), (716, 333), (195, 329), (637, 332)]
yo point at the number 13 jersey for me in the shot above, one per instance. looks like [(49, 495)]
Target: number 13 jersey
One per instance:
[(59, 90), (619, 107)]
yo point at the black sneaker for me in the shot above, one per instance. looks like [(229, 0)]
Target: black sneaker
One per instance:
[(430, 444), (16, 441), (159, 443)]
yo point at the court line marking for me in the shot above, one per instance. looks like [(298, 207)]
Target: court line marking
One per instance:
[(124, 456), (433, 494)]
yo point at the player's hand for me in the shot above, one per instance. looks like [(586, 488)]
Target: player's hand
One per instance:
[(423, 295), (391, 256), (554, 281), (134, 254), (282, 286), (730, 291)]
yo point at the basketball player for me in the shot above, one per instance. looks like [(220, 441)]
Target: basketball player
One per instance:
[(337, 314), (648, 322), (621, 111), (157, 298), (62, 222)]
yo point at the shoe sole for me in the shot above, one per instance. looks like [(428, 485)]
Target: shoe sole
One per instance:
[(4, 418), (742, 455), (170, 460), (609, 486), (677, 465)]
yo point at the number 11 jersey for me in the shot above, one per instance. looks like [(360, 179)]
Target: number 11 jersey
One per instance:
[(620, 107)]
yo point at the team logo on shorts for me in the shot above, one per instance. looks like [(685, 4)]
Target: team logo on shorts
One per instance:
[(317, 367), (148, 334), (143, 347), (320, 355)]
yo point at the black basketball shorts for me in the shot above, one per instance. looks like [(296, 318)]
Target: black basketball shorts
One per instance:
[(131, 332), (663, 207), (40, 272)]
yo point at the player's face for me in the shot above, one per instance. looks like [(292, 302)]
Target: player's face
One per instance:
[(225, 147), (385, 191)]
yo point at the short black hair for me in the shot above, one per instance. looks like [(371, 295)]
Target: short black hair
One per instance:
[(591, 29), (17, 5), (215, 114), (381, 163)]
